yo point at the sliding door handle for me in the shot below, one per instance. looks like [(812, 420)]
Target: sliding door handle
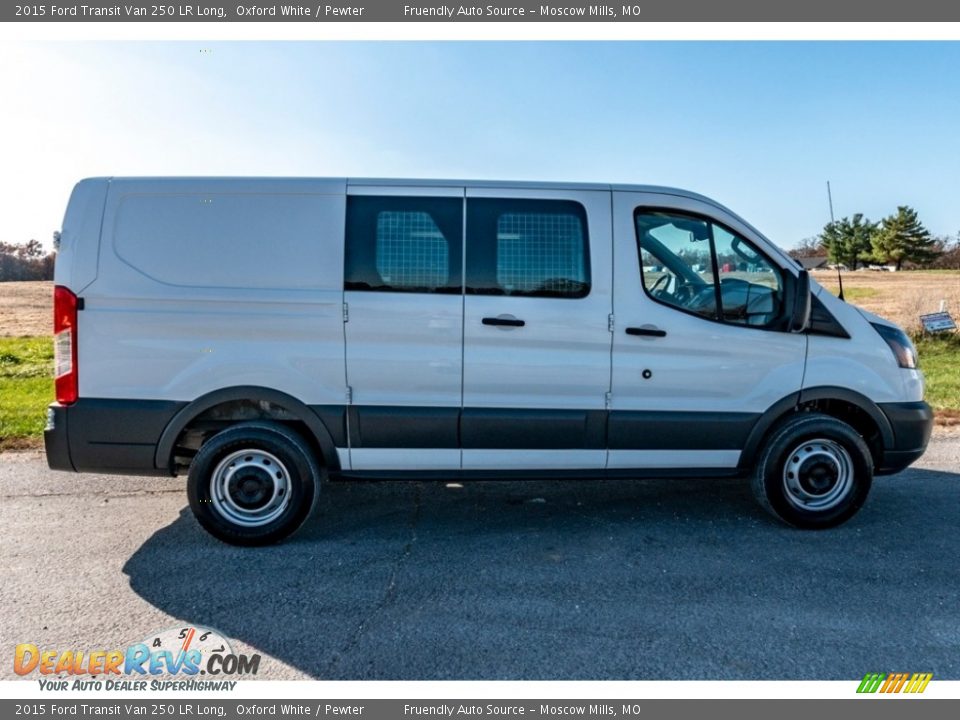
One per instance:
[(646, 331), (504, 321)]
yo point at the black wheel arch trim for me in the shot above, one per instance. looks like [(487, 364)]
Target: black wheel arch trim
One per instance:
[(794, 400), (751, 448), (319, 430), (830, 392)]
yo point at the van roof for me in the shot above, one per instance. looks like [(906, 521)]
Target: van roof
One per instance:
[(431, 182), (532, 184)]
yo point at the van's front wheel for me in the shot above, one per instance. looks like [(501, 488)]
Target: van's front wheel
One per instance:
[(253, 483), (814, 472)]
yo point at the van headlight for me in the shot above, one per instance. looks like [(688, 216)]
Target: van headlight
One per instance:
[(900, 345)]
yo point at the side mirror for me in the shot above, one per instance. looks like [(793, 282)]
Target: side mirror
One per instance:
[(798, 302)]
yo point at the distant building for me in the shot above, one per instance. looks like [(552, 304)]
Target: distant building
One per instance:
[(815, 262)]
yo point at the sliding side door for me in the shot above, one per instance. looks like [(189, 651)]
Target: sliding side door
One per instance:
[(404, 326), (536, 342)]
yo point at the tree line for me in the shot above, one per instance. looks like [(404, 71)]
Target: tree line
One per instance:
[(25, 261), (899, 239)]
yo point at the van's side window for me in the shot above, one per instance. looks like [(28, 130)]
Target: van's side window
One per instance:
[(703, 268), (404, 244), (534, 248)]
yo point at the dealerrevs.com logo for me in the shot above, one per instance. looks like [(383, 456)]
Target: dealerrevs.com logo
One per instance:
[(184, 658), (894, 683)]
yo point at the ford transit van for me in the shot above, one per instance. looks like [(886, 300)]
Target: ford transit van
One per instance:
[(263, 335)]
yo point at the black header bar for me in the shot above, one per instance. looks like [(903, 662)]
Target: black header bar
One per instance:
[(191, 707), (502, 11)]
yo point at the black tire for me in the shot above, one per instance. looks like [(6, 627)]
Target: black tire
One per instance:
[(253, 483), (813, 472)]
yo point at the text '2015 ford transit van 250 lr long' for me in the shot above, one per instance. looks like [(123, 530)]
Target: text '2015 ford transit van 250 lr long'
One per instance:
[(262, 334)]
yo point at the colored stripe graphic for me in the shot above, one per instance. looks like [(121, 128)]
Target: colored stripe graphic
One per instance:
[(870, 682), (894, 682), (890, 682), (918, 683), (900, 681)]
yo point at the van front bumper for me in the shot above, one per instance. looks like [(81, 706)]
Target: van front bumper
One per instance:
[(912, 423)]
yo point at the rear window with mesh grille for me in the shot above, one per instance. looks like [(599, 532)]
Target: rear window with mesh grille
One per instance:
[(404, 244)]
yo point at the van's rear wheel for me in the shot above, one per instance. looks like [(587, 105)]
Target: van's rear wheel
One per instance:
[(253, 483), (814, 472)]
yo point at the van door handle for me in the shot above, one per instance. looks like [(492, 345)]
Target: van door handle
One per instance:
[(646, 331), (504, 321)]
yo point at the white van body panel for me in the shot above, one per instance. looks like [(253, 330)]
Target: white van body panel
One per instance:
[(392, 459), (534, 459), (207, 283), (78, 252), (863, 362), (667, 459), (700, 365), (404, 349)]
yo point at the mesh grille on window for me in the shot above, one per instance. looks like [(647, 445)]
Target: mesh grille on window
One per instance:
[(539, 252), (411, 250)]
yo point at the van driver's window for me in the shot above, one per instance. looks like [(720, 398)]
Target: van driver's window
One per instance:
[(404, 244), (750, 285), (702, 268), (676, 263), (533, 248)]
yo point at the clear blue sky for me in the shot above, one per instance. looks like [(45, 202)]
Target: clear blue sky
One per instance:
[(759, 126)]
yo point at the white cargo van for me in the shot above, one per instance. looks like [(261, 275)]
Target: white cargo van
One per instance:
[(263, 334)]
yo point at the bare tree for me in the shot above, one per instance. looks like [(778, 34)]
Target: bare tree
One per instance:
[(809, 247), (25, 261)]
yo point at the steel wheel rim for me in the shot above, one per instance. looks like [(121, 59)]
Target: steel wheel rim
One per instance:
[(250, 488), (817, 475)]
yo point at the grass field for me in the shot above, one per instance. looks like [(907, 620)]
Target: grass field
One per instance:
[(940, 362), (26, 351), (26, 388)]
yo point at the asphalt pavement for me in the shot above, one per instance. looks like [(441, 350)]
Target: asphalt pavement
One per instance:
[(645, 579)]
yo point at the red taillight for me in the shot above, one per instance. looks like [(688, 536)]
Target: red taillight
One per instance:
[(65, 344)]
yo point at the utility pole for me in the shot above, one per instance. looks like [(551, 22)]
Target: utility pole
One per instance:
[(839, 277)]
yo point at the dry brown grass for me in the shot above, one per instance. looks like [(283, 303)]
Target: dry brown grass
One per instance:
[(26, 309), (20, 443), (901, 297), (949, 418)]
